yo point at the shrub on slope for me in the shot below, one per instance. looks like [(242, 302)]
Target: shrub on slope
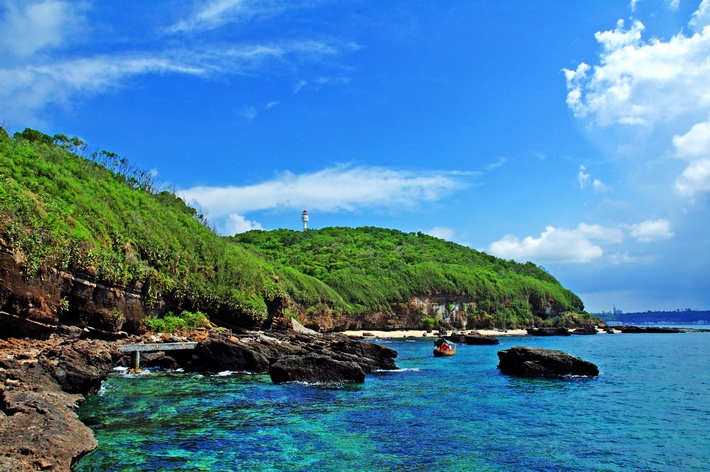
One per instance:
[(373, 267), (60, 210)]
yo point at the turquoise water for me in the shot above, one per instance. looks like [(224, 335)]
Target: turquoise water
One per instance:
[(648, 410)]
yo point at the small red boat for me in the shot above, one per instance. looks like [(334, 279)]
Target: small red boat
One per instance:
[(444, 348)]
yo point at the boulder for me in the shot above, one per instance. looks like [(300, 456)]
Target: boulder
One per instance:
[(369, 356), (585, 330), (81, 366), (537, 362), (39, 429), (222, 353), (648, 329), (473, 339), (548, 332), (315, 368)]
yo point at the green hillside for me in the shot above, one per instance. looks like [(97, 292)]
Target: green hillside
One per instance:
[(373, 267), (67, 208), (70, 212)]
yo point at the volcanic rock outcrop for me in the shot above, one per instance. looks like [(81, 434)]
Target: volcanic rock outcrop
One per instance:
[(548, 332), (41, 383), (294, 356), (472, 339), (537, 362)]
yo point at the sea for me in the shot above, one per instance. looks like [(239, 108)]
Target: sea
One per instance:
[(648, 410)]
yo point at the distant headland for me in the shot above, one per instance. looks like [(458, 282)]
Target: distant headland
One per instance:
[(685, 316)]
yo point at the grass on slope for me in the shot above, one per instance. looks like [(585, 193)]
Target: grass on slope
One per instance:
[(374, 267), (60, 210)]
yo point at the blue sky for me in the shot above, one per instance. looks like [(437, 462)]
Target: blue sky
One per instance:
[(572, 134)]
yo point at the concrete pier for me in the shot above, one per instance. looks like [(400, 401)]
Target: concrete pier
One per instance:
[(136, 349)]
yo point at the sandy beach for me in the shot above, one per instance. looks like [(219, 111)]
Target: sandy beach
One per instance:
[(420, 333)]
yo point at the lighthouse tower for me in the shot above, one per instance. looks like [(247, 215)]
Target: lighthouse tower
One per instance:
[(304, 218)]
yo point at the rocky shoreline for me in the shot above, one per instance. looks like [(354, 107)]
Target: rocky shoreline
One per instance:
[(43, 382)]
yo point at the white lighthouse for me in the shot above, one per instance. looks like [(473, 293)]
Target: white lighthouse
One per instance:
[(304, 218)]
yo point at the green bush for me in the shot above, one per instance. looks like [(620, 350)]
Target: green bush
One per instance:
[(171, 323)]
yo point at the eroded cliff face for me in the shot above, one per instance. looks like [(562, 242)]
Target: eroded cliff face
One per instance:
[(461, 312), (34, 307)]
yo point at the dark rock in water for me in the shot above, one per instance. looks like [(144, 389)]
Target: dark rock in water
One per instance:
[(548, 332), (257, 353), (648, 329), (538, 362), (315, 368), (585, 330), (610, 331), (221, 353), (81, 366), (473, 339), (369, 356), (39, 429)]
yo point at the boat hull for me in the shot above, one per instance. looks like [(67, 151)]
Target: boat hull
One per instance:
[(449, 352)]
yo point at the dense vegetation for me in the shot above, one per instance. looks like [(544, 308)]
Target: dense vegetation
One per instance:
[(371, 268), (96, 213), (65, 207)]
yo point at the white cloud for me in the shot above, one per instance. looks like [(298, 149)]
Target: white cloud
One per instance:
[(28, 27), (582, 177), (334, 189), (249, 113), (599, 186), (694, 179), (694, 146), (695, 143), (441, 232), (641, 83), (558, 245), (236, 224), (651, 230), (498, 163), (656, 85), (299, 86), (701, 18), (27, 89), (216, 13), (24, 90)]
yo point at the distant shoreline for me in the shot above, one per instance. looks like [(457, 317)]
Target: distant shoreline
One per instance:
[(420, 333)]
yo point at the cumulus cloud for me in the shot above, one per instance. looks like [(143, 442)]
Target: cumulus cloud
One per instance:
[(695, 147), (340, 188), (695, 143), (30, 26), (651, 230), (580, 245), (701, 18), (647, 83), (694, 179), (236, 223), (441, 232), (641, 83)]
